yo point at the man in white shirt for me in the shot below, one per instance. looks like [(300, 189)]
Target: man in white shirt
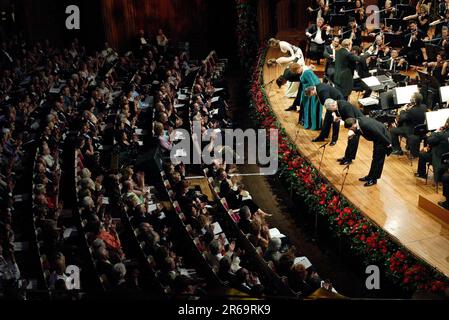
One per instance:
[(318, 34), (329, 54)]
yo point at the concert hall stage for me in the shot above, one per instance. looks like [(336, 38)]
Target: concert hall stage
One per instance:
[(394, 203)]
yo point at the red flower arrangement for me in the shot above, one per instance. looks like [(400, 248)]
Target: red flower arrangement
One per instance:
[(366, 238)]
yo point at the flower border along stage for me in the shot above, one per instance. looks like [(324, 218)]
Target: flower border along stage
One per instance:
[(366, 239)]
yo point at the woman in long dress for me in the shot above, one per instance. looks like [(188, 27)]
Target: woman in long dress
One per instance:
[(296, 56), (311, 108)]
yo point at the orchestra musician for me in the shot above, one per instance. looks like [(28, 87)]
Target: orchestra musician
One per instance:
[(318, 34), (438, 69), (413, 45), (410, 116), (377, 132), (359, 13), (324, 10), (422, 18), (443, 7), (379, 50), (438, 144), (390, 11), (445, 182), (342, 110), (329, 55), (441, 23), (444, 39), (352, 32), (394, 63)]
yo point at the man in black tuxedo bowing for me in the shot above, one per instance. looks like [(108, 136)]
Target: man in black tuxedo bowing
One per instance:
[(342, 110), (377, 132), (325, 91)]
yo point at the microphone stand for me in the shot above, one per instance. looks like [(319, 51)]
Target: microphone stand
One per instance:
[(291, 185), (346, 171), (322, 154), (268, 85)]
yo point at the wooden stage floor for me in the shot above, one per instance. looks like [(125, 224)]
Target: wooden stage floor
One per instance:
[(392, 203)]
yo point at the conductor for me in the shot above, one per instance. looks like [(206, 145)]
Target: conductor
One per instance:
[(345, 64), (377, 132)]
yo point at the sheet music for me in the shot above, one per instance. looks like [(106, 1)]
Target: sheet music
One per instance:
[(217, 228), (444, 92), (304, 261), (275, 233), (436, 119), (371, 81), (368, 101), (403, 95)]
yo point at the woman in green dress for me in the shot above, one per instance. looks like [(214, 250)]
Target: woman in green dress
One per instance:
[(311, 109)]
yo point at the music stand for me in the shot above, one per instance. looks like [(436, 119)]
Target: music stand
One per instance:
[(444, 94), (395, 40), (387, 100), (428, 80), (403, 95)]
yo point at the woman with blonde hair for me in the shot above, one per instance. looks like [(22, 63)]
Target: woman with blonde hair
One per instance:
[(295, 56), (422, 17)]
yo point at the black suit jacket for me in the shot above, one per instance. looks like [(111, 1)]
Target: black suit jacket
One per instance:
[(439, 143), (291, 76), (345, 64), (326, 91), (373, 130), (348, 110), (416, 44), (330, 64), (415, 116)]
